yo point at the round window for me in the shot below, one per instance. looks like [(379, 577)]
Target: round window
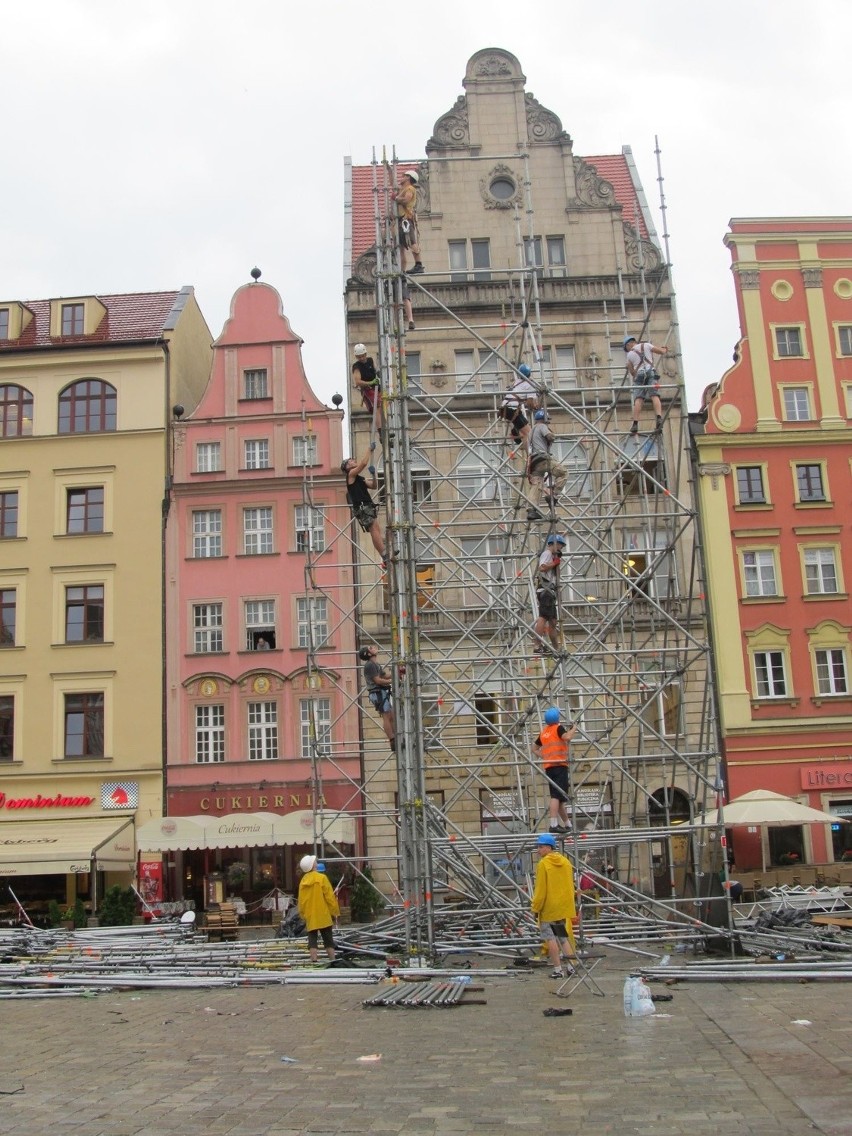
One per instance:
[(502, 188)]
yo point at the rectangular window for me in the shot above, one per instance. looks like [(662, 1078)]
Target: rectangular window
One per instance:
[(207, 628), (844, 339), (797, 404), (84, 725), (532, 252), (809, 482), (84, 614), (831, 672), (770, 675), (209, 733), (759, 574), (257, 531), (315, 728), (556, 256), (312, 621), (208, 457), (788, 341), (9, 513), (489, 374), (465, 366), (85, 510), (4, 323), (8, 610), (565, 370), (820, 571), (255, 383), (458, 261), (480, 258), (305, 450), (310, 529), (260, 625), (750, 485), (412, 362), (7, 727), (72, 319), (256, 454), (262, 731), (206, 533)]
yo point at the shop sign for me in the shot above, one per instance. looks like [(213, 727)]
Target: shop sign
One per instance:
[(833, 775), (120, 795), (284, 800), (60, 801)]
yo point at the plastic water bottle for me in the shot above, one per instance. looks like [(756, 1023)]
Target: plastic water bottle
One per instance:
[(629, 984), (642, 1002)]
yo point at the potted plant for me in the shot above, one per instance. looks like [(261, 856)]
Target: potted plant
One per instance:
[(366, 900), (236, 874), (118, 907)]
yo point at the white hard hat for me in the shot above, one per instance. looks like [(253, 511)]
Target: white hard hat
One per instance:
[(307, 863), (360, 349), (413, 174)]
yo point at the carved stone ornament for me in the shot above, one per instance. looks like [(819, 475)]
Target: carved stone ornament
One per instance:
[(179, 436), (492, 202), (592, 190), (493, 66), (366, 267), (714, 470), (641, 254), (452, 130), (749, 278), (542, 124), (424, 196), (812, 277)]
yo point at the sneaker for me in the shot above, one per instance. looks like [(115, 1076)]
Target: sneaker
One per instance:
[(634, 429), (560, 830), (384, 564), (416, 270), (659, 422), (534, 515), (411, 326), (556, 973)]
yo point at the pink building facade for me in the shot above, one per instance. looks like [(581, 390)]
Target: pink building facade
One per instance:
[(260, 713)]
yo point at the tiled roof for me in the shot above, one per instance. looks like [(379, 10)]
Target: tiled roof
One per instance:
[(130, 317), (612, 167)]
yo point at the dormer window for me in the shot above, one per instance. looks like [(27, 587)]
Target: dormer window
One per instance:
[(73, 319), (4, 323)]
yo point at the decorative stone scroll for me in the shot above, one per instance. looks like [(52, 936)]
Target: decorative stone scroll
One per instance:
[(642, 255), (366, 267), (592, 190), (714, 470), (812, 277), (749, 278), (542, 124), (452, 130), (493, 66)]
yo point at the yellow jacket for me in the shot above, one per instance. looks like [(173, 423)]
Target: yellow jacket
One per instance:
[(553, 898), (317, 901)]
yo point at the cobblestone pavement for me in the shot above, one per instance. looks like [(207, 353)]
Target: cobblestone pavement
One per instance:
[(724, 1059)]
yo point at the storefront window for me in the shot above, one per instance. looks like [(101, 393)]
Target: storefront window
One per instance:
[(786, 846), (841, 834)]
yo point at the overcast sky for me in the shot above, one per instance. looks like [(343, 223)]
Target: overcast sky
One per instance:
[(156, 144)]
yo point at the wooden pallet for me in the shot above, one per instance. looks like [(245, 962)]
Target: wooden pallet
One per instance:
[(222, 921)]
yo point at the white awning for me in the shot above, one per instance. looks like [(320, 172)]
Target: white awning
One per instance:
[(245, 830), (45, 847)]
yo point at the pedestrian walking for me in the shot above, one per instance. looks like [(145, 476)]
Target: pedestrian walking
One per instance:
[(553, 747), (317, 906), (554, 905)]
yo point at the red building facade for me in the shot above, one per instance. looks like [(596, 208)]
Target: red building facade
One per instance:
[(775, 486)]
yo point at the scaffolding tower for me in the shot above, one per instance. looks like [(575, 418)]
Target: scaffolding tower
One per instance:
[(454, 813)]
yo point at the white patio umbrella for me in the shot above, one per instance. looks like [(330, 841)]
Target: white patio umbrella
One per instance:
[(768, 810)]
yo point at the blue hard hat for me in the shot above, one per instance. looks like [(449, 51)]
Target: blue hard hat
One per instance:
[(524, 370), (320, 867), (548, 839), (557, 538), (540, 416), (551, 716), (629, 339)]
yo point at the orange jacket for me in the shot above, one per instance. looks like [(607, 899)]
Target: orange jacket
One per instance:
[(554, 750)]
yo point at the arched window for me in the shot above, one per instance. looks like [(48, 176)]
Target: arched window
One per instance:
[(87, 407), (16, 412)]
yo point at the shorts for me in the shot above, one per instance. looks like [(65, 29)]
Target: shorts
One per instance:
[(408, 236), (557, 776), (366, 516), (327, 938), (516, 416), (556, 929), (381, 700), (368, 396), (646, 384), (546, 604)]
